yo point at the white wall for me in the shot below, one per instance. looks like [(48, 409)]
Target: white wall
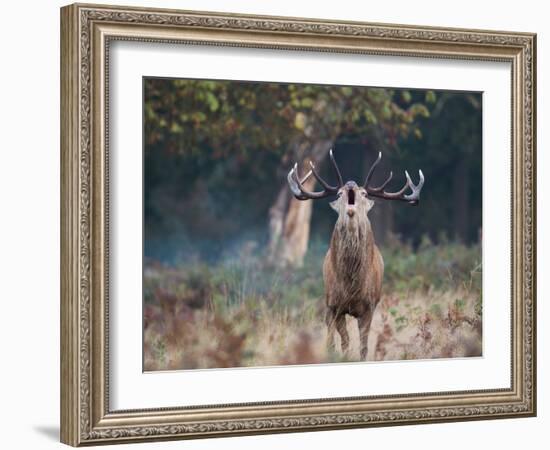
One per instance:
[(29, 221)]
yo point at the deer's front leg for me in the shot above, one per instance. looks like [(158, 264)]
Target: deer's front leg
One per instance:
[(343, 331), (364, 322)]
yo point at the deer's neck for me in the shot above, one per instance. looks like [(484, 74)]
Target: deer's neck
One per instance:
[(352, 249)]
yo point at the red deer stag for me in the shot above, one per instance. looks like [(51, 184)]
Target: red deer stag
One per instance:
[(353, 266)]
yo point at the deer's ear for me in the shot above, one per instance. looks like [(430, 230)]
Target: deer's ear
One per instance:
[(334, 205), (370, 204)]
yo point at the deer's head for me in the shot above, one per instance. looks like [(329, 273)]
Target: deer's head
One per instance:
[(353, 201)]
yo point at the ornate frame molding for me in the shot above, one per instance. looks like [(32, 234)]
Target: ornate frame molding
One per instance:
[(86, 31)]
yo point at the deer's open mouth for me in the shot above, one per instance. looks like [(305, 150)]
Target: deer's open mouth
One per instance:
[(351, 197)]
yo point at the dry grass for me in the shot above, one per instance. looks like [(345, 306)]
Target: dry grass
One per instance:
[(244, 314)]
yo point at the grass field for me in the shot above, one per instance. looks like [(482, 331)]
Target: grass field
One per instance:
[(241, 312)]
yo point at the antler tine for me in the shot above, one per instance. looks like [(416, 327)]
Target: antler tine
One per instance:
[(297, 187), (294, 182), (303, 180), (399, 193), (414, 197), (371, 170), (298, 190), (322, 182), (336, 170), (383, 185)]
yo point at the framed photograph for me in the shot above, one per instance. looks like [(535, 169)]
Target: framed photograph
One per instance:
[(276, 225)]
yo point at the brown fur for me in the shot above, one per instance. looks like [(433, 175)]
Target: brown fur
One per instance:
[(353, 269)]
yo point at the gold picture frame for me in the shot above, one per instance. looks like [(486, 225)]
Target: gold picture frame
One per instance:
[(86, 32)]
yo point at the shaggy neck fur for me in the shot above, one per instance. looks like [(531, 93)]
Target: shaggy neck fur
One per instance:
[(352, 245)]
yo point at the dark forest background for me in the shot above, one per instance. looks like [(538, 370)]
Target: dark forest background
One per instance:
[(216, 155)]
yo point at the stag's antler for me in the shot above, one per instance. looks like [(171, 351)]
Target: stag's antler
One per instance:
[(297, 188), (412, 198)]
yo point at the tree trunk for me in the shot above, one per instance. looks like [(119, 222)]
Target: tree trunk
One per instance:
[(290, 219), (277, 214), (295, 236)]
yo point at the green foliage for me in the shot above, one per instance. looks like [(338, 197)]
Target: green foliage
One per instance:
[(237, 114), (430, 97), (460, 304), (431, 266), (401, 322)]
